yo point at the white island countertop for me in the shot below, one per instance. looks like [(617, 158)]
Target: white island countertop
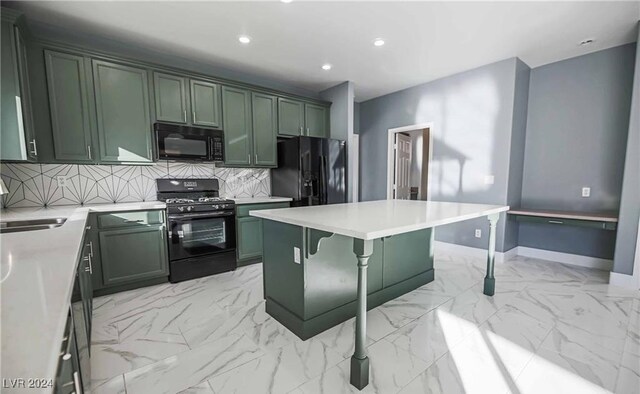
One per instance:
[(37, 273), (377, 219)]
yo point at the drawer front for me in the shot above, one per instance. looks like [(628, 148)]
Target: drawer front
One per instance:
[(130, 219), (243, 210), (568, 222)]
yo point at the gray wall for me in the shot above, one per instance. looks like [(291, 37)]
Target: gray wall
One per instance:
[(341, 97), (472, 113), (578, 117), (630, 199), (517, 146)]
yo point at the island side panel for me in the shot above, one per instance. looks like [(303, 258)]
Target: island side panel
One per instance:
[(321, 292), (283, 277)]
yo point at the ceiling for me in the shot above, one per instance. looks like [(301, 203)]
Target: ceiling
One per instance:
[(290, 42)]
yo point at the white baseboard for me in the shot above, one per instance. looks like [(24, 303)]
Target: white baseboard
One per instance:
[(476, 252), (566, 258), (622, 280)]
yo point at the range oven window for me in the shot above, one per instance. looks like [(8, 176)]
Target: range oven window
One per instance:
[(204, 233), (191, 237)]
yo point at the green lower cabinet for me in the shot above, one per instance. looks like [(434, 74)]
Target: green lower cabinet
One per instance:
[(249, 231), (133, 254), (249, 243)]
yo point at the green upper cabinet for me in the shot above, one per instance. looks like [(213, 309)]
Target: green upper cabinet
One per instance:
[(316, 121), (205, 104), (122, 109), (171, 98), (290, 117), (16, 129), (68, 100), (264, 111), (236, 104)]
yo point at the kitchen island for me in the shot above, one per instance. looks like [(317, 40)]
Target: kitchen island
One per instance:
[(316, 259)]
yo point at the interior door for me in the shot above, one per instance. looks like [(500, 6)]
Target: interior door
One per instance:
[(403, 167)]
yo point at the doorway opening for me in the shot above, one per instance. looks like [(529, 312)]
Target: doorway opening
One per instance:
[(409, 157)]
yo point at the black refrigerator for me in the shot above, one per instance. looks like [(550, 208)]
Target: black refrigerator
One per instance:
[(311, 170)]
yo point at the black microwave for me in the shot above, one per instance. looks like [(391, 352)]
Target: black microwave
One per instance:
[(185, 143)]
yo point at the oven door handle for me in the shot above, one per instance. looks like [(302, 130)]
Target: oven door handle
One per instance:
[(200, 215)]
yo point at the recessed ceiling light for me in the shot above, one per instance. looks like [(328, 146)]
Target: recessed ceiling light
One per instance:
[(326, 67), (244, 39), (587, 41), (378, 42), (286, 1)]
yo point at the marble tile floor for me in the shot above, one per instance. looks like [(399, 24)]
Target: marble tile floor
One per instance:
[(550, 328)]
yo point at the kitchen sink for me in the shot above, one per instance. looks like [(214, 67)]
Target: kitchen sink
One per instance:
[(13, 226)]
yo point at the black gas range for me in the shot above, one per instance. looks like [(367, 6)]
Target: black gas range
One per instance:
[(201, 226)]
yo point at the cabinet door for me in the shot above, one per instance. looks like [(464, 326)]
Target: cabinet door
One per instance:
[(171, 98), (69, 103), (236, 106), (249, 238), (205, 104), (290, 117), (315, 118), (264, 109), (122, 108), (12, 130), (133, 254), (27, 116)]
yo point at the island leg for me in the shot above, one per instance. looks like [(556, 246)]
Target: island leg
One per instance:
[(490, 280), (359, 360)]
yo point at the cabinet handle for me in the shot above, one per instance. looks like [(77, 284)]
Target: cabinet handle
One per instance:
[(300, 130), (89, 269), (194, 117), (76, 382), (184, 115), (249, 158), (556, 221), (89, 151), (307, 131), (35, 147), (133, 221), (91, 248), (256, 162)]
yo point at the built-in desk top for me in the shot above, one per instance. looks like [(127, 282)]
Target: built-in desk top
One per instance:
[(545, 213)]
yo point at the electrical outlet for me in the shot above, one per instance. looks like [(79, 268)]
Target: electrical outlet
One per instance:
[(489, 179), (586, 192), (62, 180), (478, 233), (296, 255)]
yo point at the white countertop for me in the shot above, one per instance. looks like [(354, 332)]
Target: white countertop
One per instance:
[(259, 200), (37, 270), (377, 219)]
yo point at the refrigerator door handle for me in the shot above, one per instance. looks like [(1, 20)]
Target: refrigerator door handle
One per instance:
[(322, 181)]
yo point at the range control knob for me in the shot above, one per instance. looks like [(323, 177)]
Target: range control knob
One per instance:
[(215, 206), (189, 209), (181, 209)]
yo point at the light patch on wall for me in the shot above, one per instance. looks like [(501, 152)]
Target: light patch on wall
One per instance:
[(464, 136)]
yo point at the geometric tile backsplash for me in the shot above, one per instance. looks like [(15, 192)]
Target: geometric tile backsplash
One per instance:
[(34, 185)]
